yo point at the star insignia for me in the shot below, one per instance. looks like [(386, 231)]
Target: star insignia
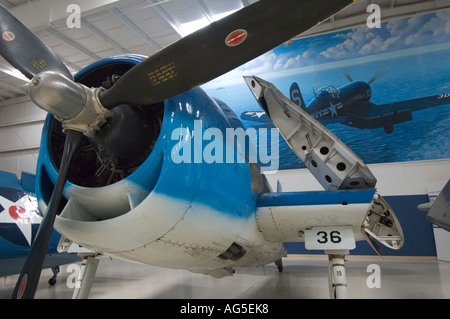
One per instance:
[(20, 211)]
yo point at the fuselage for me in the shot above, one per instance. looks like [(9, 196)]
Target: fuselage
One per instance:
[(332, 103)]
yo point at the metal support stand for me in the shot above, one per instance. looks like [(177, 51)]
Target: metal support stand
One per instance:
[(86, 277), (336, 273)]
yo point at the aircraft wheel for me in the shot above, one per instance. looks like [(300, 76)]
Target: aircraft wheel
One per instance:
[(52, 281)]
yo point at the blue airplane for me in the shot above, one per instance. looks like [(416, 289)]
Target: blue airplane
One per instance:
[(137, 162), (350, 105), (20, 219)]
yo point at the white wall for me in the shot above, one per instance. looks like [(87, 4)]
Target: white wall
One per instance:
[(404, 178), (20, 133)]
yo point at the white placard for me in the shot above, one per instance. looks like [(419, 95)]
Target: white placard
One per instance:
[(330, 237)]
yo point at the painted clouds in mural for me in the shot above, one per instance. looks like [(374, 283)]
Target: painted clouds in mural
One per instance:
[(405, 60)]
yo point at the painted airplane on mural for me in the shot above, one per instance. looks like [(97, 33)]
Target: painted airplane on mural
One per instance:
[(19, 222), (109, 173), (350, 105)]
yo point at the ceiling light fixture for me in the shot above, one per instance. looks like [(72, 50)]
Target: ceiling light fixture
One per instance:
[(192, 26)]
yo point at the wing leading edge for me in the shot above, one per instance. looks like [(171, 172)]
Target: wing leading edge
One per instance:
[(347, 211), (286, 217)]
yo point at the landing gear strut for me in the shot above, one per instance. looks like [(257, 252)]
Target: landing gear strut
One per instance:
[(336, 273), (86, 277)]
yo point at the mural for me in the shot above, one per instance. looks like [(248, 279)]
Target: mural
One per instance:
[(406, 59)]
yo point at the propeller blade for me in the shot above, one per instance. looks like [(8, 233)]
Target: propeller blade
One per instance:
[(348, 77), (25, 51), (379, 74), (29, 278), (217, 49)]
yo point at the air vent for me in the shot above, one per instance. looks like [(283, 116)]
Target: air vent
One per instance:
[(234, 252)]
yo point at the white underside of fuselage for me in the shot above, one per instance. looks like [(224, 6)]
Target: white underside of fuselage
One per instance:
[(173, 233)]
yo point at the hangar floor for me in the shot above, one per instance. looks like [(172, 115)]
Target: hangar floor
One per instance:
[(304, 277)]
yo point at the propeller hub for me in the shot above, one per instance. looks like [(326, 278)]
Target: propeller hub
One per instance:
[(76, 106)]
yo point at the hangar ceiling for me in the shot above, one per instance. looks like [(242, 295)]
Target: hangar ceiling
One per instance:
[(110, 27)]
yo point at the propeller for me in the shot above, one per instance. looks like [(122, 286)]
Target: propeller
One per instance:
[(31, 271), (180, 67), (378, 75), (24, 51), (348, 77), (218, 48)]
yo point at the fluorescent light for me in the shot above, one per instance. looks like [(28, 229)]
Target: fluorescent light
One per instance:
[(15, 73), (192, 26), (224, 14)]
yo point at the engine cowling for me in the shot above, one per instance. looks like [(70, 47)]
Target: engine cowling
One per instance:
[(127, 196)]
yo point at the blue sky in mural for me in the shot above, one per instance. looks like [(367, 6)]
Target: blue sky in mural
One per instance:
[(411, 54)]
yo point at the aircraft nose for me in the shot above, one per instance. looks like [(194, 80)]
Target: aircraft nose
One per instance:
[(368, 92), (366, 89)]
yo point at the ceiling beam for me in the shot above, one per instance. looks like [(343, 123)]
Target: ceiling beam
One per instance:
[(7, 94), (102, 36), (116, 12), (205, 11), (5, 3), (15, 100), (40, 14), (73, 44), (12, 88), (163, 14)]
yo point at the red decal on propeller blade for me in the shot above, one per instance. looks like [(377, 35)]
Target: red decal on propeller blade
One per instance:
[(8, 36), (236, 37), (22, 286)]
